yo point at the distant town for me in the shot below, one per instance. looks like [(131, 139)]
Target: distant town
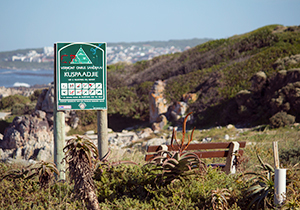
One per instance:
[(115, 54)]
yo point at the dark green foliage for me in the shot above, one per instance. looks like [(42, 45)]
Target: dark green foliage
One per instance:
[(22, 109), (9, 101), (281, 119), (128, 101), (34, 97)]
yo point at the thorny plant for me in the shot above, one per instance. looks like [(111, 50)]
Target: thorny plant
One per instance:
[(219, 199), (175, 164), (80, 155), (44, 171)]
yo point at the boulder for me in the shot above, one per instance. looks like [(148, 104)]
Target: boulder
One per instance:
[(158, 104), (27, 135), (159, 124)]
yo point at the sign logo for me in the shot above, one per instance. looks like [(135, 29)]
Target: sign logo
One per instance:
[(81, 58)]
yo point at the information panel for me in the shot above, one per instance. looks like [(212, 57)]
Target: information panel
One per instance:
[(81, 76)]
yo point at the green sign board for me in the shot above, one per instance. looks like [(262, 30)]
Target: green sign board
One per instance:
[(81, 76)]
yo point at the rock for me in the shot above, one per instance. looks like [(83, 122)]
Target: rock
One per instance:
[(44, 154), (4, 92), (48, 102), (189, 97), (226, 137), (178, 109), (230, 126), (159, 124), (258, 81), (89, 132), (206, 140), (144, 133), (27, 134), (157, 141), (283, 63), (158, 104), (40, 114), (122, 139)]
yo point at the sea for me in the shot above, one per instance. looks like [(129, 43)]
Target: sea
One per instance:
[(25, 78)]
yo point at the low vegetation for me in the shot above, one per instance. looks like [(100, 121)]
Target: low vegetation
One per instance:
[(175, 183)]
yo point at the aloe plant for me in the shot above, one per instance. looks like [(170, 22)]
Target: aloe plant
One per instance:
[(261, 190), (219, 199), (80, 153), (175, 164), (44, 170)]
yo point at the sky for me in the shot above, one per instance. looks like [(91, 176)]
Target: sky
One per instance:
[(37, 23)]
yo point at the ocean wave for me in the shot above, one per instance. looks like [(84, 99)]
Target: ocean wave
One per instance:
[(6, 72), (21, 84)]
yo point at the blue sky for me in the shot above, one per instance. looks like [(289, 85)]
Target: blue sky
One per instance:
[(38, 23)]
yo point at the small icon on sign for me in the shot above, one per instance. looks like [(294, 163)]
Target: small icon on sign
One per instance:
[(78, 85), (98, 92), (85, 85), (78, 92), (71, 92), (71, 85), (99, 85), (82, 105), (64, 86), (92, 85), (85, 92), (92, 92), (64, 92)]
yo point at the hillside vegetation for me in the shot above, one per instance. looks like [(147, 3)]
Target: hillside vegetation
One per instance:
[(216, 70)]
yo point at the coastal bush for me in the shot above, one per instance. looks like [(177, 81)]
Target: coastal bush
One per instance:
[(7, 102), (22, 109), (281, 119), (36, 93)]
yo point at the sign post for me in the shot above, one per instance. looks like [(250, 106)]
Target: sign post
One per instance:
[(80, 84)]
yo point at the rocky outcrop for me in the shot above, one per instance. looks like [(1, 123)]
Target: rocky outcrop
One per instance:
[(158, 103), (283, 63), (28, 136), (269, 96), (4, 92)]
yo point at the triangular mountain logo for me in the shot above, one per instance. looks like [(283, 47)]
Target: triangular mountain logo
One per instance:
[(81, 58)]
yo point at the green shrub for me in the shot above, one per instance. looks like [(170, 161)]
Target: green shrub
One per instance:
[(9, 101), (22, 109), (34, 97), (281, 119)]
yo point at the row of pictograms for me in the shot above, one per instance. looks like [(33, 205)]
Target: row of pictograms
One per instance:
[(86, 89), (81, 86)]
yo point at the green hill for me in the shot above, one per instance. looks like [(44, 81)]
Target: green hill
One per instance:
[(216, 71)]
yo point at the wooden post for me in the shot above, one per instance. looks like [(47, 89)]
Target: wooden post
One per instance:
[(102, 132), (276, 156), (58, 131), (230, 167), (59, 143)]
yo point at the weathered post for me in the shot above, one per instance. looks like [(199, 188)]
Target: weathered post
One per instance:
[(59, 143), (58, 131), (102, 132)]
